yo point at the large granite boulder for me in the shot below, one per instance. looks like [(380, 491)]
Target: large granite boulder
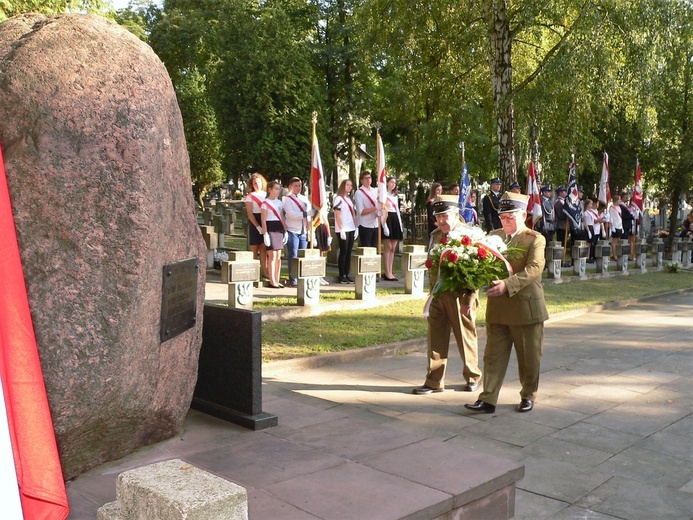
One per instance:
[(100, 184)]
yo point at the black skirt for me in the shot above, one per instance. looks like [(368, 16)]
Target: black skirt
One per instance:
[(254, 237), (394, 227)]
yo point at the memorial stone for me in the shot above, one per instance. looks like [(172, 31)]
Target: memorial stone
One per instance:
[(413, 261), (365, 264), (676, 247), (686, 248), (554, 258), (211, 239), (622, 254), (91, 126), (240, 272), (602, 251), (579, 253), (658, 253), (310, 268), (641, 254)]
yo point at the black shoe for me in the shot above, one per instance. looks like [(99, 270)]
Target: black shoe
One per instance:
[(470, 387), (425, 390), (387, 278), (349, 279), (481, 406), (343, 279), (525, 406)]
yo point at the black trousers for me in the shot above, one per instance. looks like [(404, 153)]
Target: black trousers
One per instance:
[(345, 248)]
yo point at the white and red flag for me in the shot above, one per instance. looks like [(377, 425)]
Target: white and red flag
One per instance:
[(318, 196), (604, 191), (637, 190), (534, 213), (382, 177), (38, 474)]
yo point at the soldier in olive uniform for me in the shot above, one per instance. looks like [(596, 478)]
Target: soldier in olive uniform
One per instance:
[(450, 311), (515, 311)]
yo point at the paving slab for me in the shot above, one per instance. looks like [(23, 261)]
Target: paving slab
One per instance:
[(625, 498)]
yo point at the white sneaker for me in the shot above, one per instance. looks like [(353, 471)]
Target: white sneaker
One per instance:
[(324, 282)]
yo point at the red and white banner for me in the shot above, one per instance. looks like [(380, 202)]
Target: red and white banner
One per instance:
[(318, 196), (34, 450), (637, 190), (382, 177), (534, 213), (604, 191)]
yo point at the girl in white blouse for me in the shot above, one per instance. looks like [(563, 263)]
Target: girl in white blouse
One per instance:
[(274, 232), (345, 227), (393, 228), (253, 201)]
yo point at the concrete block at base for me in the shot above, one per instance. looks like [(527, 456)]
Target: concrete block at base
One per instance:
[(175, 490)]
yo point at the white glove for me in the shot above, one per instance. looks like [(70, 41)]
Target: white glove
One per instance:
[(342, 235), (268, 240), (259, 229), (356, 233), (329, 241), (313, 238), (386, 230), (285, 239)]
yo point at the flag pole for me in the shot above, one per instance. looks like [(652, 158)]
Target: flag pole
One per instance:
[(314, 121), (377, 126), (567, 225)]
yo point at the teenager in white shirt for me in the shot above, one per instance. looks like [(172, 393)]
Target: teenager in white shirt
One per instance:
[(394, 228), (256, 194), (274, 232), (345, 227), (367, 211), (296, 215)]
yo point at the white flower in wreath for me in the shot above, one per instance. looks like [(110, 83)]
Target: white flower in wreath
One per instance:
[(496, 243)]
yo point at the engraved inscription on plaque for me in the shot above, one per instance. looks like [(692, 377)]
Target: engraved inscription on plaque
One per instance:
[(244, 271), (369, 264), (417, 261), (311, 267), (178, 298)]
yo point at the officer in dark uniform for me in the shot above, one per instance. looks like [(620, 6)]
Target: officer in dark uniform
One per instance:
[(489, 206)]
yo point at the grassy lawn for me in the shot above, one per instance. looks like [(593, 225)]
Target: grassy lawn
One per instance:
[(403, 320)]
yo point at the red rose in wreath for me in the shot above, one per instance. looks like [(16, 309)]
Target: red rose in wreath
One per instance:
[(466, 241)]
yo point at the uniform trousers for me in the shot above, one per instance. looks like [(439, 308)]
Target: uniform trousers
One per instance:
[(529, 346), (444, 316)]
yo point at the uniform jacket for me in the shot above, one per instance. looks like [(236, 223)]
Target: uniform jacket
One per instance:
[(489, 207), (524, 303)]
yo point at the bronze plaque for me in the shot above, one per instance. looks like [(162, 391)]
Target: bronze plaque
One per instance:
[(417, 261), (311, 267), (178, 298), (244, 271)]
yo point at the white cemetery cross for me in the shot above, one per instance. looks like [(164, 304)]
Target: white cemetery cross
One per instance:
[(641, 254), (686, 248), (554, 258), (658, 253), (240, 272), (602, 251), (622, 254), (365, 264), (579, 254), (309, 267), (211, 241), (414, 260)]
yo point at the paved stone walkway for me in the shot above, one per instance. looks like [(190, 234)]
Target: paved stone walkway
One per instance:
[(611, 435)]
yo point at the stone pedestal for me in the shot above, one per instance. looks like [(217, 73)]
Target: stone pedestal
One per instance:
[(622, 254), (173, 490), (658, 253), (211, 241), (554, 258), (579, 254), (240, 272), (686, 248), (413, 260), (641, 254), (365, 265), (602, 251), (309, 267)]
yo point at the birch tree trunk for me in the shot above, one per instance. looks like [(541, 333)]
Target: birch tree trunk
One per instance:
[(500, 65)]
